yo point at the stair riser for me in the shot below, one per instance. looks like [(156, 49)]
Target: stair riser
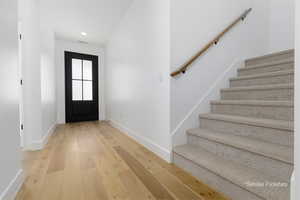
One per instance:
[(285, 56), (283, 79), (276, 136), (246, 158), (281, 94), (265, 69), (261, 111), (213, 180)]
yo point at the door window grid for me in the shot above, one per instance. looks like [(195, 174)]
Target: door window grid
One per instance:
[(82, 80)]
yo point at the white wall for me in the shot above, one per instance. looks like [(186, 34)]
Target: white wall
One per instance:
[(137, 80), (282, 22), (48, 81), (9, 113), (193, 25), (38, 72), (60, 47), (31, 69)]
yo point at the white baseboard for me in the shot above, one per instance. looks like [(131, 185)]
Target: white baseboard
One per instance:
[(152, 146), (40, 144), (293, 187), (14, 186), (191, 120), (50, 132)]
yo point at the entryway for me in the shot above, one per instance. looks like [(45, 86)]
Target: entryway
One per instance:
[(81, 82)]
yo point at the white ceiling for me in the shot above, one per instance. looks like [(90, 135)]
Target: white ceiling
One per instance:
[(69, 18)]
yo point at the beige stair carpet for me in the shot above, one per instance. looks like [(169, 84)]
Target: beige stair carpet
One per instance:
[(244, 147)]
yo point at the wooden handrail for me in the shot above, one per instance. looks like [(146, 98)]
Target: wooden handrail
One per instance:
[(184, 67)]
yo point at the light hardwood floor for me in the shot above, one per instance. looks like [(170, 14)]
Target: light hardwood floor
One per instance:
[(94, 161)]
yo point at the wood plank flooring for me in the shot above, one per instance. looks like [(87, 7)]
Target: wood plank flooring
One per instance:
[(94, 161)]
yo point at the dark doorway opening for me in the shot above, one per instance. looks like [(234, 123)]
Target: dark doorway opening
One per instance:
[(81, 86)]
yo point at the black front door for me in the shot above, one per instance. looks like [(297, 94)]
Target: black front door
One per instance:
[(81, 82)]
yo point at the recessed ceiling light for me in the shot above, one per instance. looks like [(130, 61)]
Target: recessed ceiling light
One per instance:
[(83, 33)]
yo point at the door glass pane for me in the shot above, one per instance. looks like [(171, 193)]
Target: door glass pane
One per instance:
[(76, 90), (87, 70), (87, 90), (76, 69)]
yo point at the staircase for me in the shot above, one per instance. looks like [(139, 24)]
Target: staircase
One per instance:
[(244, 147)]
